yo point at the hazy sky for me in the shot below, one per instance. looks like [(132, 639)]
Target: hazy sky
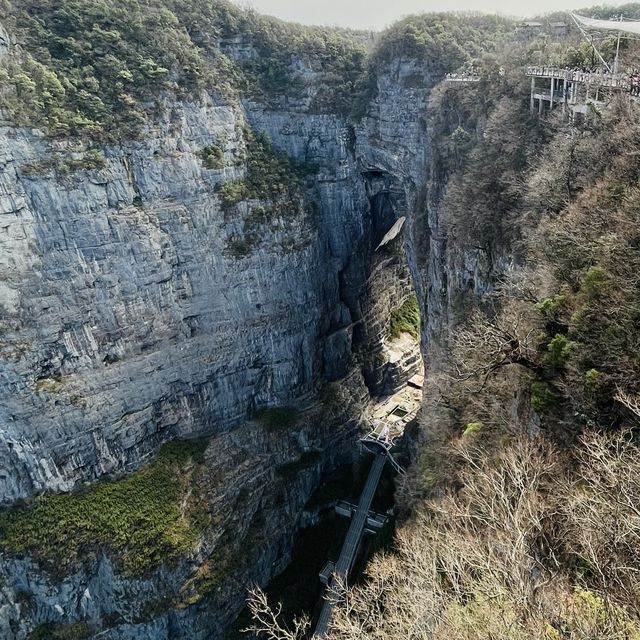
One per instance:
[(367, 14)]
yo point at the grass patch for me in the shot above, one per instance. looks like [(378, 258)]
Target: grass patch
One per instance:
[(406, 319), (277, 418), (140, 517)]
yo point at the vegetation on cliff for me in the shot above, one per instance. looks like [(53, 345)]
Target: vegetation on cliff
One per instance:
[(271, 176), (146, 518), (442, 41), (104, 69), (274, 188), (562, 329), (98, 69), (406, 319)]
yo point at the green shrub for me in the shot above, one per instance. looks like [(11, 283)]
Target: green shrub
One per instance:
[(222, 562), (406, 319), (212, 157), (549, 307), (272, 178), (542, 397), (102, 69), (93, 159), (232, 192), (98, 69), (241, 246), (430, 469), (140, 517), (558, 351), (472, 428), (442, 40), (460, 142)]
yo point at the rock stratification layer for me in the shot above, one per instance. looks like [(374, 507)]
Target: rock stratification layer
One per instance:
[(128, 321)]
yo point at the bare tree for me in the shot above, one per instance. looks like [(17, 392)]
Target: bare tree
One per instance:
[(486, 561), (266, 620), (631, 402), (490, 342)]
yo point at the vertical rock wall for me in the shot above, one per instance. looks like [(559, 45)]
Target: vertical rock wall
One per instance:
[(128, 322)]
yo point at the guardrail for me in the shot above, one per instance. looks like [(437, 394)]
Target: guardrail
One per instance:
[(609, 80), (456, 77)]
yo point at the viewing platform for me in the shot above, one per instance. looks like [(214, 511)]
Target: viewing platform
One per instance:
[(595, 78), (462, 78), (390, 418), (574, 90)]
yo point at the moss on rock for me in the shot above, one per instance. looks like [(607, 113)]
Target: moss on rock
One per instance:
[(406, 319), (146, 518)]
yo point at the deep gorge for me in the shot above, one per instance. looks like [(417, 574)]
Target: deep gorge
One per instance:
[(223, 238), (139, 309)]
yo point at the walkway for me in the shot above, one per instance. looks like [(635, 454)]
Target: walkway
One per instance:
[(351, 543), (577, 91), (465, 78), (608, 80)]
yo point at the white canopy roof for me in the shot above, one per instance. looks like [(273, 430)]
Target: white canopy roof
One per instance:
[(610, 25)]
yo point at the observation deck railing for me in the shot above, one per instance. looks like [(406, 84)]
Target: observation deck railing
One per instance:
[(595, 78)]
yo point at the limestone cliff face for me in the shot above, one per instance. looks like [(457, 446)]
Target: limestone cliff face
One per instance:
[(127, 321), (256, 511)]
